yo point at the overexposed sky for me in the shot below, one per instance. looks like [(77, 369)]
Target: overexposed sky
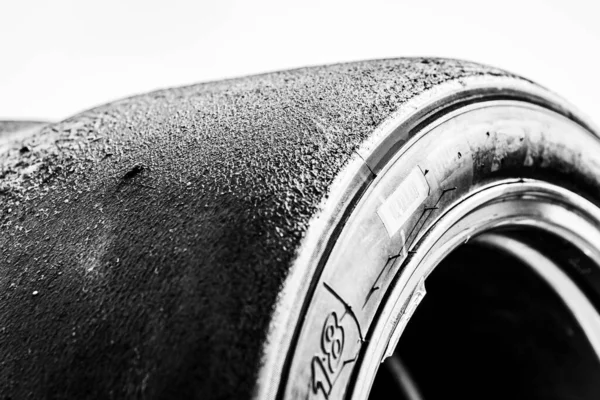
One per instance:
[(63, 56)]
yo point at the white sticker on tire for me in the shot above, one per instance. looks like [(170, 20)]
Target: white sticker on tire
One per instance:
[(404, 201)]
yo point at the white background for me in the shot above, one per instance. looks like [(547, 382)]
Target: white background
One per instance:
[(63, 56)]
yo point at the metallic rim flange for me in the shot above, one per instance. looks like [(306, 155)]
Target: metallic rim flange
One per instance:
[(525, 203)]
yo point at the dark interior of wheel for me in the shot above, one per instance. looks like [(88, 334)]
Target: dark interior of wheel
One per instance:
[(490, 328)]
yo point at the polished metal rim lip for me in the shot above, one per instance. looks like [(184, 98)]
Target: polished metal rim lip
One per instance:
[(584, 312), (280, 339), (508, 204)]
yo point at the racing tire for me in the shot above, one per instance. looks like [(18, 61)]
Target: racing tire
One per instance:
[(423, 227)]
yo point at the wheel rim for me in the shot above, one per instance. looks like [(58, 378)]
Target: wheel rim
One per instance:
[(528, 205)]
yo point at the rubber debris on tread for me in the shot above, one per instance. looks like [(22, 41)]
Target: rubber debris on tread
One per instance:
[(158, 282)]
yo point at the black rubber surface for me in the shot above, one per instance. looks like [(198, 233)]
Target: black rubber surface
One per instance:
[(143, 243)]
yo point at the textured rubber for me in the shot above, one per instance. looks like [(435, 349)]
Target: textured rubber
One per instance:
[(143, 243), (11, 131)]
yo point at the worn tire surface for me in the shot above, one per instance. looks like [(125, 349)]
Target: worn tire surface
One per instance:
[(143, 243)]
